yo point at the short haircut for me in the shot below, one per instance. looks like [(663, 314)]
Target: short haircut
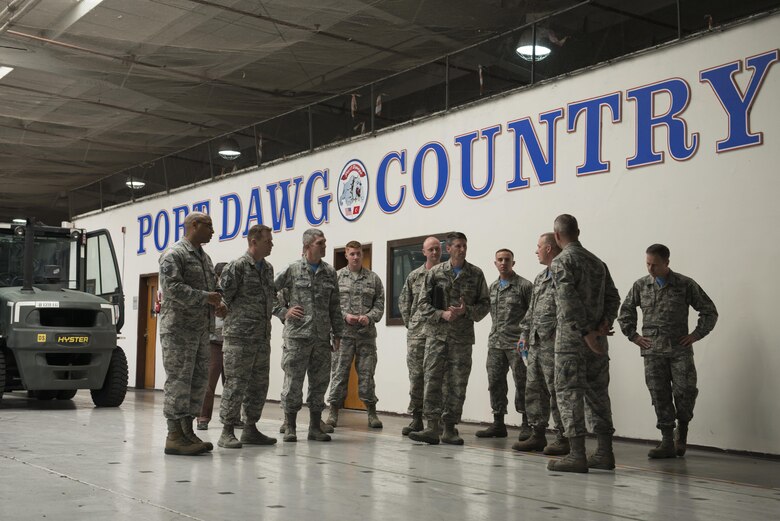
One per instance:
[(192, 217), (354, 245), (549, 239), (219, 267), (255, 232), (309, 236), (506, 250), (658, 249), (454, 236), (566, 225)]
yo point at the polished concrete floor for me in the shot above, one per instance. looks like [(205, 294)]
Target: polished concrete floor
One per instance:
[(68, 460)]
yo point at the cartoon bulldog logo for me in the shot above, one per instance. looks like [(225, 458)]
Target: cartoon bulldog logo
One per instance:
[(352, 190)]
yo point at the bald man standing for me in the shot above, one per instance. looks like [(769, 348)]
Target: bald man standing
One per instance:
[(189, 299), (408, 303)]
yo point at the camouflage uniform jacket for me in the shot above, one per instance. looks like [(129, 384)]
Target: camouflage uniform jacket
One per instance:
[(317, 293), (585, 295), (540, 320), (508, 307), (361, 293), (250, 296), (470, 285), (186, 278), (409, 303), (665, 313)]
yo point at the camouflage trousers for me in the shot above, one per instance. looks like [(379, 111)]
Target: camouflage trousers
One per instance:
[(582, 388), (246, 363), (415, 355), (363, 351), (445, 361), (499, 362), (672, 385), (302, 357), (186, 362), (540, 399)]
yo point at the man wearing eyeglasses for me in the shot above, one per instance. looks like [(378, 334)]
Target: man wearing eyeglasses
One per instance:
[(188, 283)]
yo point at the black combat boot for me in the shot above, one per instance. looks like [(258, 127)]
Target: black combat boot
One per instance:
[(496, 430), (315, 432), (430, 435), (575, 461), (603, 458)]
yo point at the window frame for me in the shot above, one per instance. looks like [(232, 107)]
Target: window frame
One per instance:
[(390, 277)]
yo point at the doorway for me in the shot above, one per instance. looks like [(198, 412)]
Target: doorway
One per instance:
[(352, 401), (146, 350)]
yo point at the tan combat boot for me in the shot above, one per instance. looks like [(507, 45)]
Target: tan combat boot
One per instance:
[(603, 458), (429, 435), (186, 429), (575, 461), (681, 439), (450, 435), (332, 422), (560, 447), (666, 448), (177, 444), (535, 443), (373, 420), (416, 425), (289, 427), (315, 432), (252, 436), (228, 440), (497, 429)]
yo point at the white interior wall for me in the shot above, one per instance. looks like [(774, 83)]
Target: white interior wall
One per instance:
[(713, 211)]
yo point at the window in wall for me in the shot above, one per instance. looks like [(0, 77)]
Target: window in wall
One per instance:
[(404, 256)]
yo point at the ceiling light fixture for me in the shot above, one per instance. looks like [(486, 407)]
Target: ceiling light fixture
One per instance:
[(4, 71), (533, 52), (134, 184), (229, 149)]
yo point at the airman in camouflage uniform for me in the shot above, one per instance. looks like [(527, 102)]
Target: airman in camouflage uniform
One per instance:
[(510, 297), (408, 303), (248, 291), (455, 296), (310, 308), (666, 346), (362, 305), (538, 338), (587, 303), (187, 281)]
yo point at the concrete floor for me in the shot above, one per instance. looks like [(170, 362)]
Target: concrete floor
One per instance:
[(68, 460)]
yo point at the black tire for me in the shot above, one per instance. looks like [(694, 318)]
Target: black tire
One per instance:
[(67, 394), (2, 373), (45, 395), (112, 394)]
